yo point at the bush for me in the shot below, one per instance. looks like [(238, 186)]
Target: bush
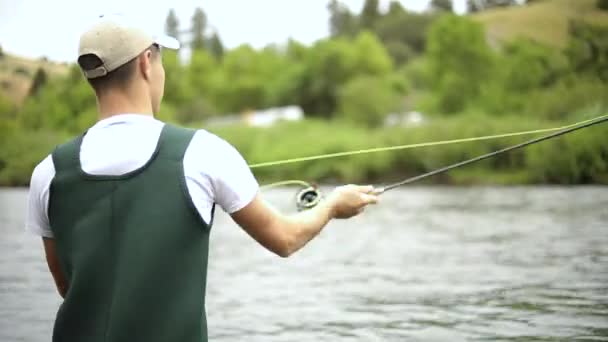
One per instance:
[(21, 152), (7, 108), (588, 48), (529, 65), (570, 95), (580, 158), (367, 100), (602, 4)]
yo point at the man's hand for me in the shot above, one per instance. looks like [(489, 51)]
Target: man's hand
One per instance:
[(284, 235), (350, 200)]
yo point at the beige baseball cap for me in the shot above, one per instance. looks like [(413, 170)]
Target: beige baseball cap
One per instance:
[(115, 41)]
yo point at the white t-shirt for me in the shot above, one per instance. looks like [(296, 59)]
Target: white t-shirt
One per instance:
[(215, 171)]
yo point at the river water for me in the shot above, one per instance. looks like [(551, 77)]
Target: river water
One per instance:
[(427, 264)]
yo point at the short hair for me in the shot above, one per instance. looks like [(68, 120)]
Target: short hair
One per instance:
[(117, 78)]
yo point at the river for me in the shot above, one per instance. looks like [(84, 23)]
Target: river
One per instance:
[(426, 264)]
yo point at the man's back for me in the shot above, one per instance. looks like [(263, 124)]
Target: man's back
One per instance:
[(129, 208), (132, 247)]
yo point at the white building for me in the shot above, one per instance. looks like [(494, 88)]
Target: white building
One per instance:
[(408, 119), (260, 118)]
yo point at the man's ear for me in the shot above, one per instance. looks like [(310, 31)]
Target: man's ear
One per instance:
[(145, 64)]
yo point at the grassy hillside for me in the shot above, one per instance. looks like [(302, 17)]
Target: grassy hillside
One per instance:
[(16, 74), (544, 21)]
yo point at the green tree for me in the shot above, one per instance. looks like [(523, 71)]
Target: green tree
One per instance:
[(199, 25), (588, 49), (370, 55), (525, 68), (529, 65), (215, 45), (341, 21), (442, 5), (172, 24), (408, 28), (296, 51), (369, 14), (80, 98), (328, 65), (200, 73), (65, 104), (282, 76), (395, 8), (39, 80), (602, 4), (178, 87), (243, 84), (460, 59), (400, 52), (332, 63)]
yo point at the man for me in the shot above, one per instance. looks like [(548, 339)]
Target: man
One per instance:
[(125, 209)]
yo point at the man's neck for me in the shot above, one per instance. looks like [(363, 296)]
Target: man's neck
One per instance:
[(116, 103)]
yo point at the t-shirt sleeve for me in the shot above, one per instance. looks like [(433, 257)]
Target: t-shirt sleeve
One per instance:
[(36, 219), (223, 172)]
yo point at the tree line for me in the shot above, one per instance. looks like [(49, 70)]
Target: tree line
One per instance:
[(373, 63)]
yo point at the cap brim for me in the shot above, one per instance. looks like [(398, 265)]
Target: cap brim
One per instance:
[(167, 42)]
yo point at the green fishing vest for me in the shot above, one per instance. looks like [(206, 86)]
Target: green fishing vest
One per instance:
[(133, 249)]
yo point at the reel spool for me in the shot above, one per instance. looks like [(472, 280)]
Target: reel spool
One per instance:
[(308, 198)]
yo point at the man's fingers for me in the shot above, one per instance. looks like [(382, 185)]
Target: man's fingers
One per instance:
[(369, 199), (366, 189)]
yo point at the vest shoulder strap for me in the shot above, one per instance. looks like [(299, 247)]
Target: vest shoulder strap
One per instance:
[(174, 142), (65, 156)]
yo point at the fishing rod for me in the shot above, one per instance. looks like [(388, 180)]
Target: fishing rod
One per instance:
[(311, 196), (489, 155)]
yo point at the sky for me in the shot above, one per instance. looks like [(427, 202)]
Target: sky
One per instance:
[(51, 28)]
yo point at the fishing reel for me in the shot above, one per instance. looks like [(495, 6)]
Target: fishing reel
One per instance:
[(308, 198)]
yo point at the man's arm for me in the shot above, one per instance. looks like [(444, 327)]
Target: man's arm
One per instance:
[(53, 262), (37, 221), (217, 173), (284, 235)]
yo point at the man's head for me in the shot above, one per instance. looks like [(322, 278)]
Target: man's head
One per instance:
[(116, 56)]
